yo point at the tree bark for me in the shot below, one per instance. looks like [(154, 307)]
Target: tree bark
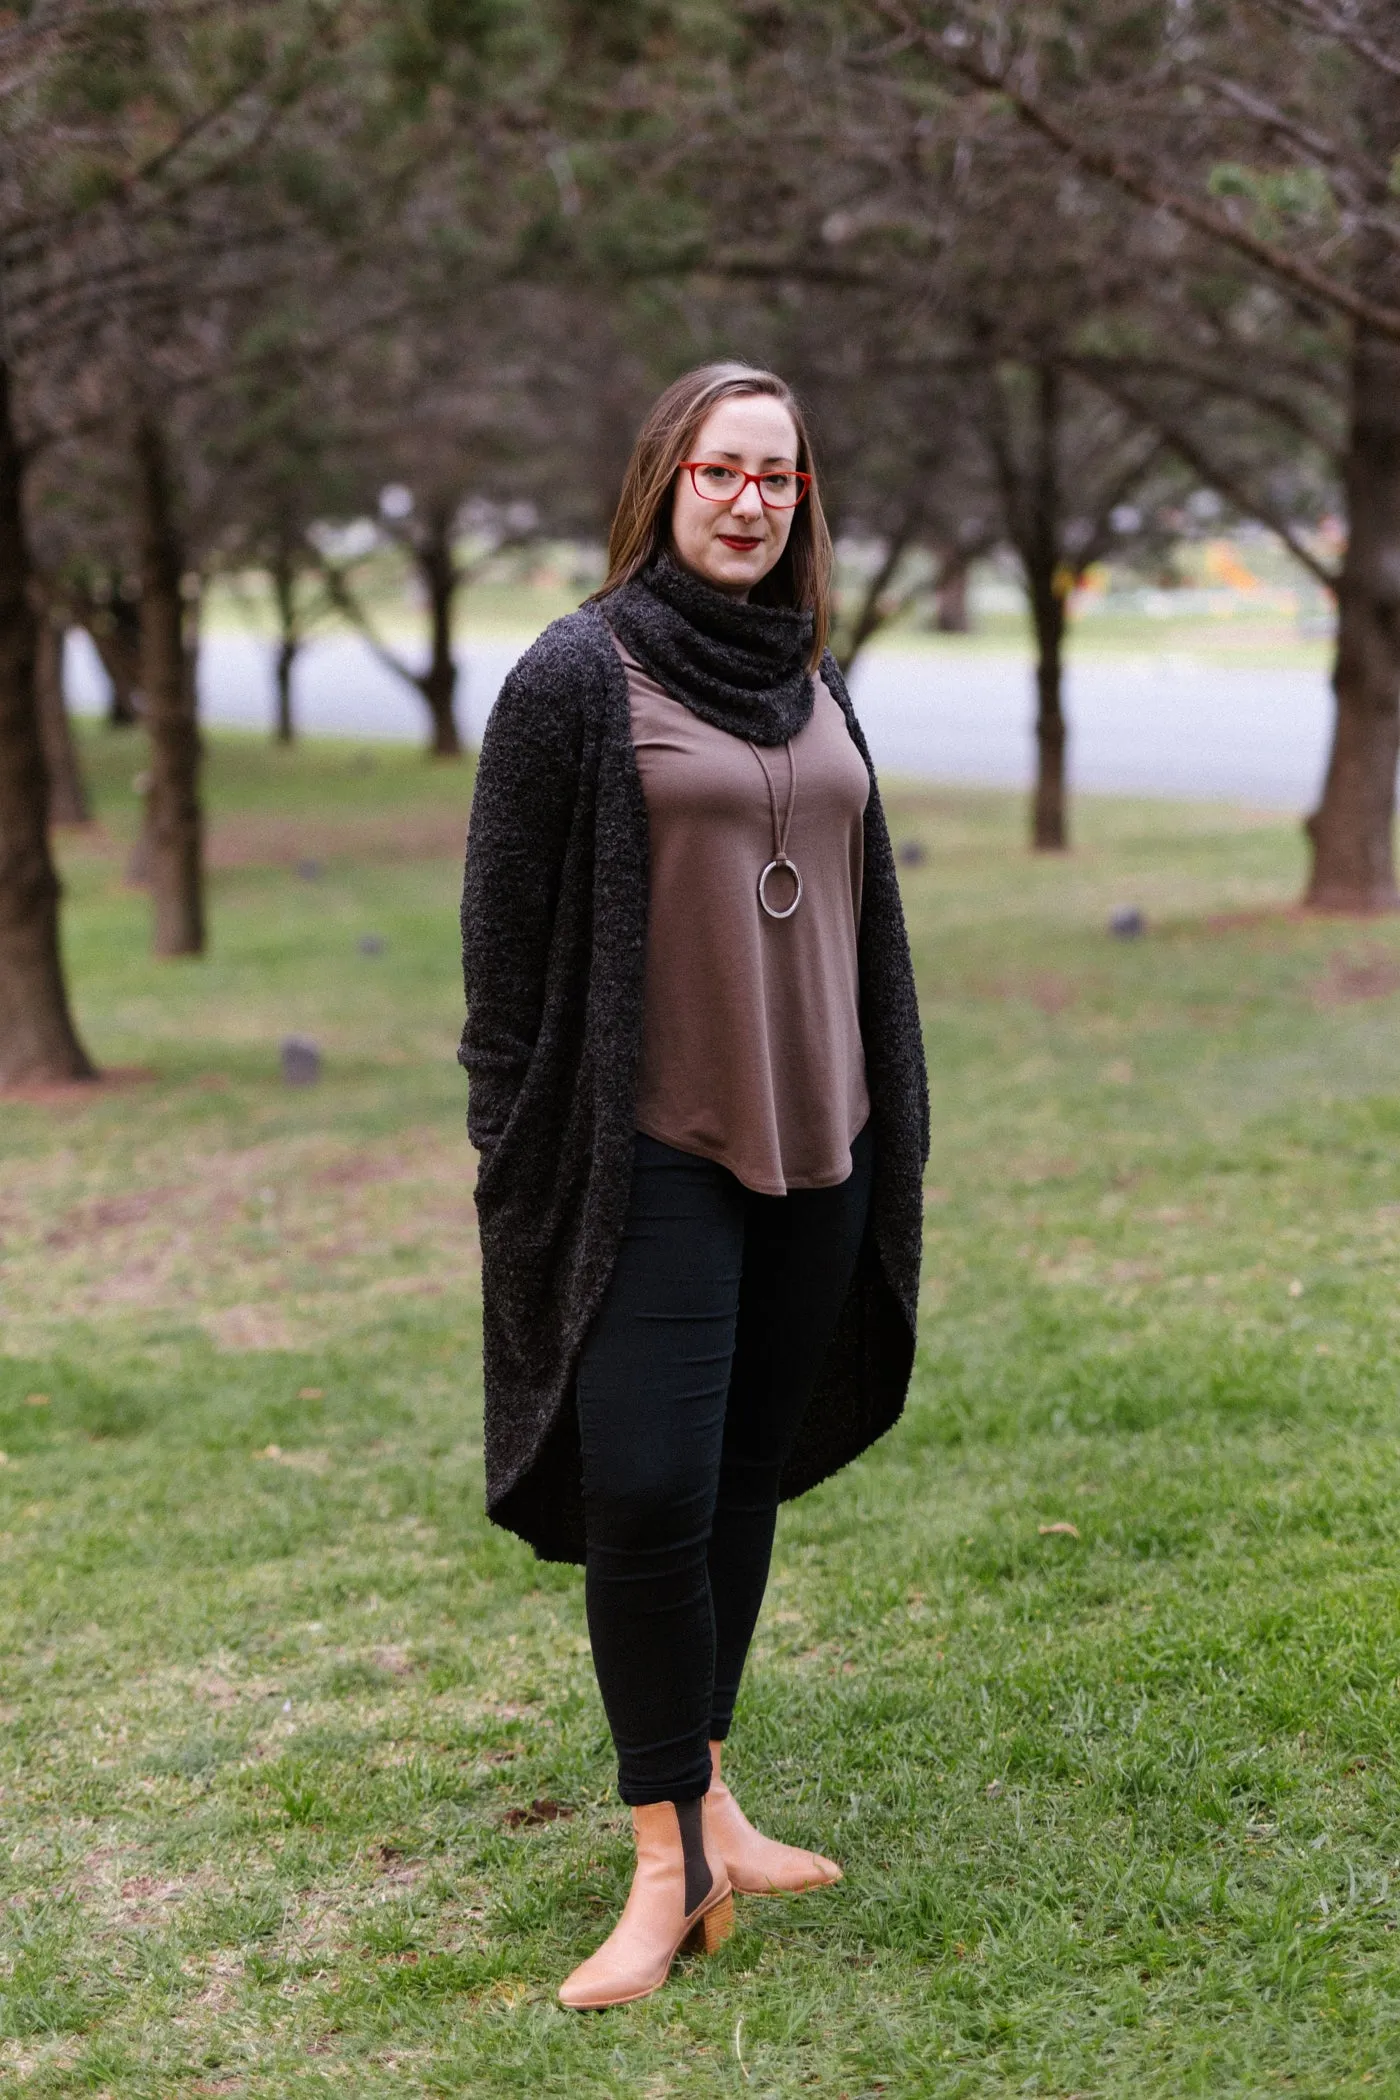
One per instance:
[(438, 569), (176, 867), (38, 1042), (950, 607), (1042, 559), (1049, 803), (68, 802), (116, 636), (1352, 829), (284, 590)]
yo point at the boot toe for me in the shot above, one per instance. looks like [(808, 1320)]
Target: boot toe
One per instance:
[(594, 1992)]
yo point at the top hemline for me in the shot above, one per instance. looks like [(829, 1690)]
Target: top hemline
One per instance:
[(790, 1188)]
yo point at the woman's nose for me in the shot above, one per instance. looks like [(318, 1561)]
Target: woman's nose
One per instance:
[(748, 504)]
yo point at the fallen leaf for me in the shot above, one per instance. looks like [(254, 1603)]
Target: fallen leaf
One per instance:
[(994, 1789), (311, 1392), (1067, 1531), (299, 1461), (36, 1400)]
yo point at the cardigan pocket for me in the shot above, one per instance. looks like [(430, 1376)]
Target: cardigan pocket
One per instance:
[(504, 1161)]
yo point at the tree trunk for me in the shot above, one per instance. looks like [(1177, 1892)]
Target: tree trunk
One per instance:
[(284, 591), (67, 796), (38, 1042), (950, 607), (1049, 803), (1352, 829), (114, 624), (438, 684), (176, 871), (1042, 560)]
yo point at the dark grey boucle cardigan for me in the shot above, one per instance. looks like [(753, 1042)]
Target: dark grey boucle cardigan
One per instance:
[(554, 922)]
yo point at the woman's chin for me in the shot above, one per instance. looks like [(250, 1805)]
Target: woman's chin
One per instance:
[(731, 572)]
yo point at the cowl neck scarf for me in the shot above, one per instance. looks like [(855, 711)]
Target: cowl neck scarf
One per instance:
[(740, 666)]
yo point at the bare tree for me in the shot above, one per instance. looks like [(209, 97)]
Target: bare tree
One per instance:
[(1269, 131), (37, 1038)]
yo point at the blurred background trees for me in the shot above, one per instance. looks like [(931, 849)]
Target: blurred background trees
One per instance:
[(292, 296)]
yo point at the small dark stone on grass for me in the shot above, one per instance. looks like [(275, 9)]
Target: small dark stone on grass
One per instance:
[(1127, 923), (310, 870), (912, 854), (370, 944), (301, 1060)]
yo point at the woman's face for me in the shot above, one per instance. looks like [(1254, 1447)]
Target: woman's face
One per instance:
[(734, 544)]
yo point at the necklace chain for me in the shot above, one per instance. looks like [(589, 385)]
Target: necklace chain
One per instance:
[(781, 827)]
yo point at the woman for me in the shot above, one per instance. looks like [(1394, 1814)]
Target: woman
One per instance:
[(698, 1092)]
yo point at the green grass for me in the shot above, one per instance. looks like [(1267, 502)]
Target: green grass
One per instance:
[(1118, 1811)]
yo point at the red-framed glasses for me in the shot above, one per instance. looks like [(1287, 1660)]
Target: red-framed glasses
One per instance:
[(779, 488)]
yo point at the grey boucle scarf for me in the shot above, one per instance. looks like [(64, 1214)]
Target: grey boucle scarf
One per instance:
[(739, 666)]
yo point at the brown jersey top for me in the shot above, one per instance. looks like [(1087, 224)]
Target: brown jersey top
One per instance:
[(751, 1045)]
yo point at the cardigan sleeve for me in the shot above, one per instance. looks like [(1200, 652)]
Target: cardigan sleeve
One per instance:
[(526, 785)]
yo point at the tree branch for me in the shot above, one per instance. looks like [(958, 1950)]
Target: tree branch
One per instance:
[(1090, 365), (1220, 478), (343, 598), (1101, 537), (1258, 107), (870, 618), (1326, 21), (1149, 189)]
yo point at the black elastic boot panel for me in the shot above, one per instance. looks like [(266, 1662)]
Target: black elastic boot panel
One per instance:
[(698, 1878)]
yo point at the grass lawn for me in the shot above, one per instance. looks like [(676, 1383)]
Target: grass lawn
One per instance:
[(1088, 1673)]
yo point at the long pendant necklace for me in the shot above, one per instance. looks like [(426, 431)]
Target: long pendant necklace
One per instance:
[(781, 829)]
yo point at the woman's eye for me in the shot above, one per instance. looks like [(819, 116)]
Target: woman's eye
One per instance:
[(720, 477), (778, 484)]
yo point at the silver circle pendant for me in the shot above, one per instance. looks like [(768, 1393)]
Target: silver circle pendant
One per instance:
[(782, 861)]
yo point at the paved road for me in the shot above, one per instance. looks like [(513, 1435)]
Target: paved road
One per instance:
[(1153, 725)]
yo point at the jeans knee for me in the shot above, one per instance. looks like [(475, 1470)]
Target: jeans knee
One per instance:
[(749, 1482), (648, 1512)]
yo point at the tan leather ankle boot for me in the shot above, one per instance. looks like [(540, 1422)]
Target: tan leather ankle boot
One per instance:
[(756, 1865), (680, 1898)]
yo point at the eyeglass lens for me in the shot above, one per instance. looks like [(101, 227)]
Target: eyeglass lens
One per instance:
[(720, 484)]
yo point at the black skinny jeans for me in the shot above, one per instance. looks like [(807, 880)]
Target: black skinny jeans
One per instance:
[(691, 1387)]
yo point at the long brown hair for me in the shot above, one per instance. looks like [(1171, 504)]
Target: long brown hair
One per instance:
[(801, 576)]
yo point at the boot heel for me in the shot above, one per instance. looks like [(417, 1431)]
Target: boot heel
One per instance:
[(708, 1934)]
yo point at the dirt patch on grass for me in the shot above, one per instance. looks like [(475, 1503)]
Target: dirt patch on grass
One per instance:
[(261, 1246), (1350, 979), (277, 839), (90, 1220), (252, 841), (80, 1093), (247, 1327), (1046, 990), (1259, 918)]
